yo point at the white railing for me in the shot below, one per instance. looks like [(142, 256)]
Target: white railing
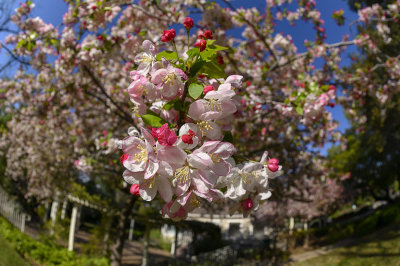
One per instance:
[(12, 211)]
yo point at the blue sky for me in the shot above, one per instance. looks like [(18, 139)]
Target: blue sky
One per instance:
[(52, 11)]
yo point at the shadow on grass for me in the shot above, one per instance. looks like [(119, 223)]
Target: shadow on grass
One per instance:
[(382, 243), (369, 255)]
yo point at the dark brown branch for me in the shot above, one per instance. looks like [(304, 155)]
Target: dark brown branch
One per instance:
[(181, 112), (16, 58), (256, 32), (335, 45), (124, 115)]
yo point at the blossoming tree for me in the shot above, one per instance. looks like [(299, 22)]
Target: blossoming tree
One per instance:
[(200, 107)]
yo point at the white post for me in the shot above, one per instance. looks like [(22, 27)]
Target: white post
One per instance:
[(131, 228), (291, 225), (175, 243), (172, 247), (72, 228), (64, 209), (53, 215), (23, 223)]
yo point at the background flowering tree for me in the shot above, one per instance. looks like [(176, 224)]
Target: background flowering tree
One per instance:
[(70, 104)]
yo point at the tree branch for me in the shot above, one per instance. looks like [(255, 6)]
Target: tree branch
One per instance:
[(257, 33), (124, 115), (335, 45)]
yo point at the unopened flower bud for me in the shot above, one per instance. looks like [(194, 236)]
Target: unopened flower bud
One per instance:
[(273, 161), (134, 190), (247, 204), (273, 167), (188, 23), (207, 89), (124, 157)]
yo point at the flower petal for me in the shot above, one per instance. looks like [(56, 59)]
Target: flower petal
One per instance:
[(151, 169), (133, 177), (173, 155), (164, 188)]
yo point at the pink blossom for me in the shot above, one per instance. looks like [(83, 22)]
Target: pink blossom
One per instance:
[(164, 136), (169, 81)]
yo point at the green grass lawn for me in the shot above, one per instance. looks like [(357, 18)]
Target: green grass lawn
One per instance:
[(379, 248), (8, 256)]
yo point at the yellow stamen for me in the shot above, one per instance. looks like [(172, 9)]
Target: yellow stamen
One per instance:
[(195, 203), (149, 182), (247, 177), (204, 126), (142, 155), (146, 59), (215, 158), (169, 78), (182, 174), (214, 105)]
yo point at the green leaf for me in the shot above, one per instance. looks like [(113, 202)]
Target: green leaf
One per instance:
[(209, 42), (216, 47), (169, 55), (21, 43), (325, 88), (299, 110), (208, 54), (213, 70), (30, 46), (193, 52), (53, 41), (152, 120), (196, 67), (168, 106), (195, 90), (314, 87), (33, 35), (176, 104)]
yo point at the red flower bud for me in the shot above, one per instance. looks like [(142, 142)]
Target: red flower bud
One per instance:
[(134, 190), (188, 23), (207, 34), (220, 60), (191, 133), (124, 157), (207, 89), (187, 139), (168, 35), (247, 204), (331, 87), (273, 161), (273, 167), (201, 44)]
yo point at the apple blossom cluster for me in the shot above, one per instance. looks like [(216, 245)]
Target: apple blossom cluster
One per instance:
[(98, 39), (181, 152)]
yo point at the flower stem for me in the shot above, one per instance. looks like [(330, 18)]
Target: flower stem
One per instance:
[(176, 50)]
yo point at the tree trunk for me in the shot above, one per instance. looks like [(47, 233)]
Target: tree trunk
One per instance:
[(120, 234), (145, 257), (307, 236)]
